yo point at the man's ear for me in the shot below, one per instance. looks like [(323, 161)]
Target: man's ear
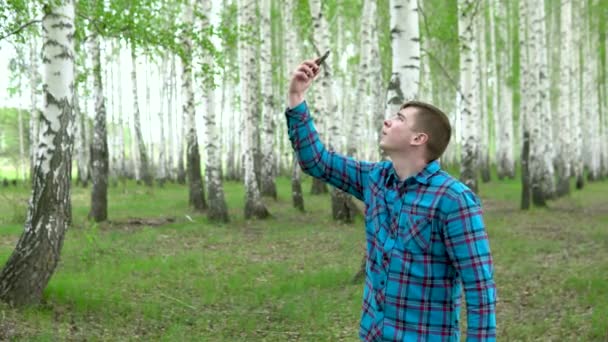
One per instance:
[(420, 138)]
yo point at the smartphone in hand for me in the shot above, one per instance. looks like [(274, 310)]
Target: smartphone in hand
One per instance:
[(322, 59)]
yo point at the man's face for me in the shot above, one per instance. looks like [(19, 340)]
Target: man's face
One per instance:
[(398, 133)]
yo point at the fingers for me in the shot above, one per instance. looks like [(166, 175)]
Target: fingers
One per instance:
[(309, 68)]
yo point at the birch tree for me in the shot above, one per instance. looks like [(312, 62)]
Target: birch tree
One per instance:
[(405, 44), (565, 101), (195, 180), (34, 110), (143, 162), (31, 265), (469, 112), (268, 186), (99, 146), (291, 59), (249, 75), (502, 99), (217, 210)]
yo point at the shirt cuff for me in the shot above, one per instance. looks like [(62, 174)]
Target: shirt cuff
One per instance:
[(299, 110)]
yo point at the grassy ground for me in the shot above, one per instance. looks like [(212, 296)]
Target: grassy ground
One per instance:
[(289, 278)]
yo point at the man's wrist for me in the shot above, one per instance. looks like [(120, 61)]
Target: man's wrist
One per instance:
[(295, 99)]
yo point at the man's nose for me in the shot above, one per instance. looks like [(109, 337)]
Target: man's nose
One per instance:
[(387, 123)]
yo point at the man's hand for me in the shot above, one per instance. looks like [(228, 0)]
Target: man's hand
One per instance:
[(301, 79)]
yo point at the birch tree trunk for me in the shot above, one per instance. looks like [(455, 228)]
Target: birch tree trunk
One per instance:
[(195, 180), (269, 163), (540, 164), (249, 75), (591, 121), (291, 59), (405, 43), (29, 268), (503, 114), (34, 111), (363, 81), (120, 139), (341, 203), (144, 167), (162, 163), (482, 77), (319, 104), (526, 78), (217, 210), (22, 159), (565, 102), (171, 137), (99, 146), (469, 112), (577, 103)]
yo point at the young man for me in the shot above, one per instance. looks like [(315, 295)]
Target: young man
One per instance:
[(425, 234)]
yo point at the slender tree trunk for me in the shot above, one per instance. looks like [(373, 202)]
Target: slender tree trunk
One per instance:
[(34, 111), (291, 59), (503, 114), (82, 145), (144, 165), (195, 180), (482, 67), (268, 186), (122, 168), (162, 164), (169, 80), (565, 102), (468, 103), (31, 265), (577, 92), (217, 210), (249, 75), (99, 147), (22, 158), (319, 105)]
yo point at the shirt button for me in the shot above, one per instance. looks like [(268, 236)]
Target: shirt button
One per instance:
[(382, 283)]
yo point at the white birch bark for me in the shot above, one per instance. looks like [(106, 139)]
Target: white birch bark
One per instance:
[(564, 149), (29, 268), (268, 174), (575, 119), (144, 165), (502, 103), (217, 209), (170, 147), (291, 59), (193, 166), (120, 138), (363, 80), (34, 110), (405, 43), (378, 89), (469, 112), (326, 108), (162, 79), (482, 87), (249, 75), (591, 121), (99, 146)]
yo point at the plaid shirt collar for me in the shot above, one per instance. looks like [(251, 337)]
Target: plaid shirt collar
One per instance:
[(421, 177)]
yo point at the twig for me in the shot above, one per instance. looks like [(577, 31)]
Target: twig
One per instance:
[(23, 27)]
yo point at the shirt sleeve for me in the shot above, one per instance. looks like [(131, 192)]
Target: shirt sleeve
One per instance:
[(343, 172), (469, 250)]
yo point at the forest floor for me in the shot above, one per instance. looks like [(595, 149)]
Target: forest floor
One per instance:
[(159, 271)]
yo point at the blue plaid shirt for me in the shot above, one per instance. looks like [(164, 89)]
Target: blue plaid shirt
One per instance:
[(425, 241)]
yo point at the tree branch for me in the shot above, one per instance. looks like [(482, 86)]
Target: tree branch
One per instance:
[(23, 27)]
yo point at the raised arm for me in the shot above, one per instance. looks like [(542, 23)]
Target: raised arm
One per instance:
[(342, 172)]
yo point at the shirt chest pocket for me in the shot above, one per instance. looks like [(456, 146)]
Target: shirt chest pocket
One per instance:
[(414, 233)]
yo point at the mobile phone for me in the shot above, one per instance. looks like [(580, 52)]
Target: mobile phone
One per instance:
[(322, 59)]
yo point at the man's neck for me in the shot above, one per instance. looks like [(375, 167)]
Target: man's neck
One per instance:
[(406, 167)]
